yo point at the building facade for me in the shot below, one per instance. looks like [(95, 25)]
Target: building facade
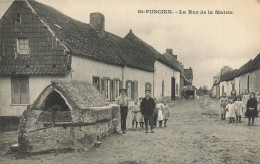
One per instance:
[(40, 44)]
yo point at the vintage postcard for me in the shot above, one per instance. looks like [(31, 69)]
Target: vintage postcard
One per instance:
[(129, 82)]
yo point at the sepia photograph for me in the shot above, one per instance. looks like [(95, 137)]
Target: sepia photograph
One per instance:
[(129, 81)]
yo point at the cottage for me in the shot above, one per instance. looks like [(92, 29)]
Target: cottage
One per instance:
[(40, 44), (246, 77)]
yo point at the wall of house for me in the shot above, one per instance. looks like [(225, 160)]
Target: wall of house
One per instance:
[(177, 77), (38, 83), (163, 72), (85, 69), (241, 83), (44, 51), (36, 86), (237, 84), (138, 75), (254, 81), (221, 84)]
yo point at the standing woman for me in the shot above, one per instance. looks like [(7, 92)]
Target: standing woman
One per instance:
[(251, 111)]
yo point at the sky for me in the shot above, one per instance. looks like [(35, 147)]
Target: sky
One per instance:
[(205, 42)]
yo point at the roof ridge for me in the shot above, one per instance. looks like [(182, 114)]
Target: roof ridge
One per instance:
[(46, 24)]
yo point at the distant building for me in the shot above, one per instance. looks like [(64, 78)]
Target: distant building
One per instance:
[(186, 75), (216, 81), (246, 77)]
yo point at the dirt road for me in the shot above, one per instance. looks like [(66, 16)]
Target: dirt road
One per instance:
[(195, 134)]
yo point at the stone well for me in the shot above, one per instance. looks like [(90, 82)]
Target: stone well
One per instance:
[(67, 115)]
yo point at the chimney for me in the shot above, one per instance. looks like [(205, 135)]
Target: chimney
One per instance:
[(169, 51), (97, 21)]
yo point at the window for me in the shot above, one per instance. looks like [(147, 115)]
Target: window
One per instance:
[(115, 88), (22, 46), (129, 89), (20, 90), (18, 18), (148, 86), (96, 82)]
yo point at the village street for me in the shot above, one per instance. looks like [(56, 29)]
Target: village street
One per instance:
[(195, 134)]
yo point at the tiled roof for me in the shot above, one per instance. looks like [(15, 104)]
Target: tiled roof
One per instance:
[(80, 38), (35, 65)]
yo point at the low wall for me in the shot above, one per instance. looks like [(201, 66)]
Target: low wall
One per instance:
[(79, 129)]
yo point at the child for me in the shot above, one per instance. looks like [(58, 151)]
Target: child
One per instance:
[(140, 117), (251, 111), (239, 108), (155, 113), (230, 111), (258, 101), (245, 98), (233, 95), (166, 112), (160, 114), (223, 103), (134, 111), (147, 108)]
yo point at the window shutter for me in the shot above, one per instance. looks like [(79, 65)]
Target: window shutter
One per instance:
[(136, 90), (120, 84), (112, 89), (102, 85), (24, 91), (15, 88), (133, 90), (126, 87)]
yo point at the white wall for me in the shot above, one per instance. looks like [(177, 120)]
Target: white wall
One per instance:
[(254, 81), (237, 82), (163, 72), (177, 77), (36, 86), (139, 75), (38, 83), (84, 69), (223, 83)]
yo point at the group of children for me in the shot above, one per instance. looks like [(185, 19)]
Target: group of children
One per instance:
[(235, 107), (161, 113)]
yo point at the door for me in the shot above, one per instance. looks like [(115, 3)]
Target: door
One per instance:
[(173, 89)]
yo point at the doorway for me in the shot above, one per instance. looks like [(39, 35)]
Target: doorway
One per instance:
[(173, 89)]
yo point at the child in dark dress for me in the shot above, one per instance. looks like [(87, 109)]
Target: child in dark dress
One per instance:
[(251, 111)]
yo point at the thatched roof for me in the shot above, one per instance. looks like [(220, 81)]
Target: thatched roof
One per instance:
[(174, 62), (250, 66), (141, 55), (77, 95)]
